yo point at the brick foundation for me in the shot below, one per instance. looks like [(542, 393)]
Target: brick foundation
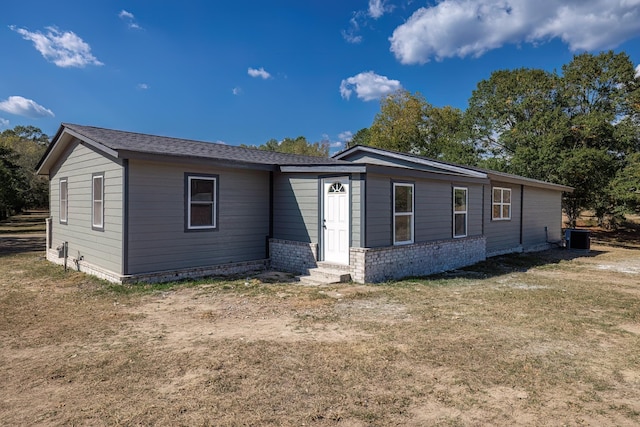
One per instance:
[(371, 265), (231, 269), (293, 257)]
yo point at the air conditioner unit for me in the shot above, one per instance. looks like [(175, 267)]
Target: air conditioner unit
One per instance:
[(577, 239)]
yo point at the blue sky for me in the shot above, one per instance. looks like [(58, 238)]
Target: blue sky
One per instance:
[(248, 71)]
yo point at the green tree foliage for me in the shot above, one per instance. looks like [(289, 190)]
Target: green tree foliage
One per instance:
[(11, 183), (577, 128), (399, 125), (298, 145), (408, 123), (20, 150), (625, 187), (362, 137)]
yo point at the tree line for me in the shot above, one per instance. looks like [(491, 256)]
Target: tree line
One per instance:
[(580, 128), (20, 188)]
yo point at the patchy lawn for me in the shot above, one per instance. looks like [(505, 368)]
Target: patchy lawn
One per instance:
[(544, 339)]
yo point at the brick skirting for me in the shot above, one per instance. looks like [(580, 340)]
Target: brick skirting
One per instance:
[(371, 265)]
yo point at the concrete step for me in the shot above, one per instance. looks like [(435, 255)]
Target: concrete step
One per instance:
[(310, 281), (325, 276), (331, 266)]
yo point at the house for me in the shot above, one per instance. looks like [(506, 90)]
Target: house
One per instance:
[(133, 207)]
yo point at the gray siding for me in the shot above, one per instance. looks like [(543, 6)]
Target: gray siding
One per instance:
[(357, 185), (297, 204), (542, 208), (378, 212), (433, 213), (503, 236), (295, 211), (100, 248), (157, 237)]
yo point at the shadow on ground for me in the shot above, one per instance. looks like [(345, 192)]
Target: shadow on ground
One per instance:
[(519, 262), (9, 245)]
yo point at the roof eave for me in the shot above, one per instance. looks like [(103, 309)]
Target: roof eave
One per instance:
[(332, 168), (458, 170), (59, 143)]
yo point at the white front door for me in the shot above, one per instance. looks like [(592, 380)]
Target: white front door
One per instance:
[(335, 223)]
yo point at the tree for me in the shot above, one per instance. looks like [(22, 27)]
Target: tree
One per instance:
[(11, 183), (22, 147), (575, 129), (408, 123), (514, 117), (299, 145), (625, 187), (362, 137), (399, 125), (596, 94)]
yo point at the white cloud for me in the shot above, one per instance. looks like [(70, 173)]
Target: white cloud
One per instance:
[(63, 49), (351, 35), (236, 91), (345, 136), (125, 15), (4, 123), (129, 19), (339, 144), (637, 71), (377, 8), (472, 27), (368, 86), (24, 107), (360, 18), (258, 72), (143, 86)]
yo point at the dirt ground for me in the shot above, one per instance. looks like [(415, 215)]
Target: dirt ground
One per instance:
[(550, 339)]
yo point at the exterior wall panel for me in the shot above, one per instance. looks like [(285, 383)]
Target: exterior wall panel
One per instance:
[(378, 211), (101, 248), (503, 236), (158, 240), (296, 207), (542, 209), (433, 211)]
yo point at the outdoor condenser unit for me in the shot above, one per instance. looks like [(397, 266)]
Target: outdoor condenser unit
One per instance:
[(577, 239)]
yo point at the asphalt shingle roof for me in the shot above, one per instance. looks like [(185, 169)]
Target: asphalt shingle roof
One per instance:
[(162, 145)]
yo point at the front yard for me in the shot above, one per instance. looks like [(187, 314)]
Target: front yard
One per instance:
[(544, 339)]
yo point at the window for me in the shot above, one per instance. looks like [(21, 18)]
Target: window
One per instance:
[(402, 213), (64, 200), (97, 206), (501, 203), (337, 187), (202, 202), (459, 212)]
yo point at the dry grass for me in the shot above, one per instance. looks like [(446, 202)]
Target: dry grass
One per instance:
[(546, 339)]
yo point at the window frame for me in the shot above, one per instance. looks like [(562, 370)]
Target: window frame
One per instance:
[(98, 226), (404, 214), (465, 212), (189, 177), (63, 201), (501, 203)]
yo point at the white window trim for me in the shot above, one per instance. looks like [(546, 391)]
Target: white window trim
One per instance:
[(63, 202), (100, 225), (398, 214), (214, 203), (500, 203), (465, 211)]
